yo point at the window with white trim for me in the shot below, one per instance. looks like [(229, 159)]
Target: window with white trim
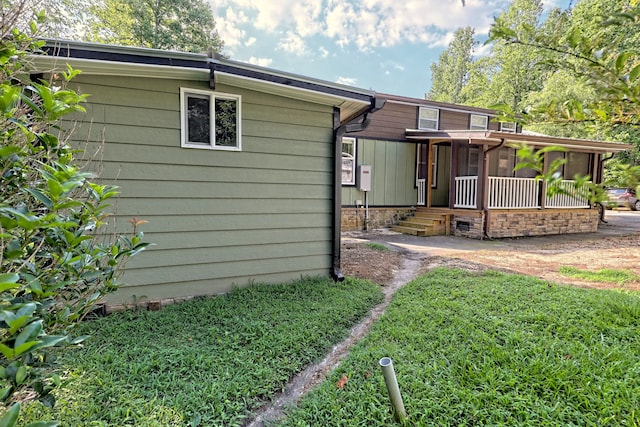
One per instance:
[(508, 127), (210, 120), (348, 161), (479, 122), (428, 118)]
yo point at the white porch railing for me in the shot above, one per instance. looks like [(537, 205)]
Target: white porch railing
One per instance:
[(466, 192), (569, 197), (422, 183), (514, 193)]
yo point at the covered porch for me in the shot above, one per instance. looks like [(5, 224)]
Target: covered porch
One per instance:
[(470, 176)]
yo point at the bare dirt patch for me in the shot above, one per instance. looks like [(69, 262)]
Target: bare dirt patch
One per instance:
[(361, 261), (619, 252), (542, 260)]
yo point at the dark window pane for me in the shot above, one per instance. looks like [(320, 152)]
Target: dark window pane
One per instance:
[(226, 122), (198, 120)]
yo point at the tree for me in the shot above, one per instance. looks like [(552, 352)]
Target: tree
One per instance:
[(55, 266), (66, 19), (598, 60), (515, 71), (451, 73), (605, 59), (185, 25), (505, 76)]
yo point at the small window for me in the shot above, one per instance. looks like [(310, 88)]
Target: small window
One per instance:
[(508, 127), (210, 120), (428, 118), (348, 161), (479, 122)]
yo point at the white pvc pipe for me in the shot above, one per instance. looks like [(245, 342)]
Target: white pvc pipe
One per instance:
[(392, 388)]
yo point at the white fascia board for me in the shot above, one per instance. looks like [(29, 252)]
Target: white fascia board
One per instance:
[(284, 90), (46, 64)]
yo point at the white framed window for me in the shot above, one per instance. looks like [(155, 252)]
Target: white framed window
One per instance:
[(479, 122), (348, 161), (508, 127), (428, 118), (210, 120)]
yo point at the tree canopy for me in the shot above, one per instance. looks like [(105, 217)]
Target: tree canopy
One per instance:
[(572, 73), (451, 73), (184, 25)]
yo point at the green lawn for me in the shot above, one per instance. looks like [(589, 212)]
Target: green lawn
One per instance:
[(606, 275), (208, 362), (491, 349)]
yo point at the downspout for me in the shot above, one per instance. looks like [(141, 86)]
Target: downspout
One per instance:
[(485, 160), (338, 132)]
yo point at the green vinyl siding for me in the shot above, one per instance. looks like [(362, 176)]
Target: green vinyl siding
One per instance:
[(217, 218), (392, 170)]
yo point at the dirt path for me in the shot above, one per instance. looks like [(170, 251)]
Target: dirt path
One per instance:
[(616, 246), (404, 268)]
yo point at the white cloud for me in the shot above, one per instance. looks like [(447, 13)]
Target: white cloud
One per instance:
[(229, 27), (293, 43), (263, 62), (250, 42), (365, 24), (323, 52), (482, 50), (349, 81)]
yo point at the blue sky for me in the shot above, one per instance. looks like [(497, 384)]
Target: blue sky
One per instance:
[(383, 45)]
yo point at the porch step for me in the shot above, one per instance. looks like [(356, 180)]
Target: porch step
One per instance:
[(424, 223), (409, 230)]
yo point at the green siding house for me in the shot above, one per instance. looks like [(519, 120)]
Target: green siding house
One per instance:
[(235, 167)]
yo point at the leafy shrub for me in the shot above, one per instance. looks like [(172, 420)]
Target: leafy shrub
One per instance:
[(54, 268)]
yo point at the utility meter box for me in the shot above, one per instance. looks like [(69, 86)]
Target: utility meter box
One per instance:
[(364, 177)]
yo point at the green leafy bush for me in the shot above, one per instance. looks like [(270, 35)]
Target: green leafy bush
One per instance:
[(54, 267)]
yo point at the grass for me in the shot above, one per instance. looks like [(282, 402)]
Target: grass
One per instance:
[(605, 275), (209, 362), (377, 246), (491, 349)]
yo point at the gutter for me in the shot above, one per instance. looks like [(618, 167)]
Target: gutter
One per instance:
[(338, 132)]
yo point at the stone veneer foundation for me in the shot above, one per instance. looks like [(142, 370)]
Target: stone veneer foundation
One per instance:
[(536, 222), (353, 219), (500, 223)]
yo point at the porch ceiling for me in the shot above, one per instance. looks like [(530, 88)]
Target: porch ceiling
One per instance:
[(492, 138)]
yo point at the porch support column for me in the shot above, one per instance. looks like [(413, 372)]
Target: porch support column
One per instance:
[(596, 168), (483, 179), (486, 152), (543, 183), (427, 187), (453, 173)]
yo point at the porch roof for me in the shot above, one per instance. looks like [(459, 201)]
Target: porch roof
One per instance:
[(493, 138)]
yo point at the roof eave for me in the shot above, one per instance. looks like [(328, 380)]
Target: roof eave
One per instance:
[(494, 138), (98, 59)]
